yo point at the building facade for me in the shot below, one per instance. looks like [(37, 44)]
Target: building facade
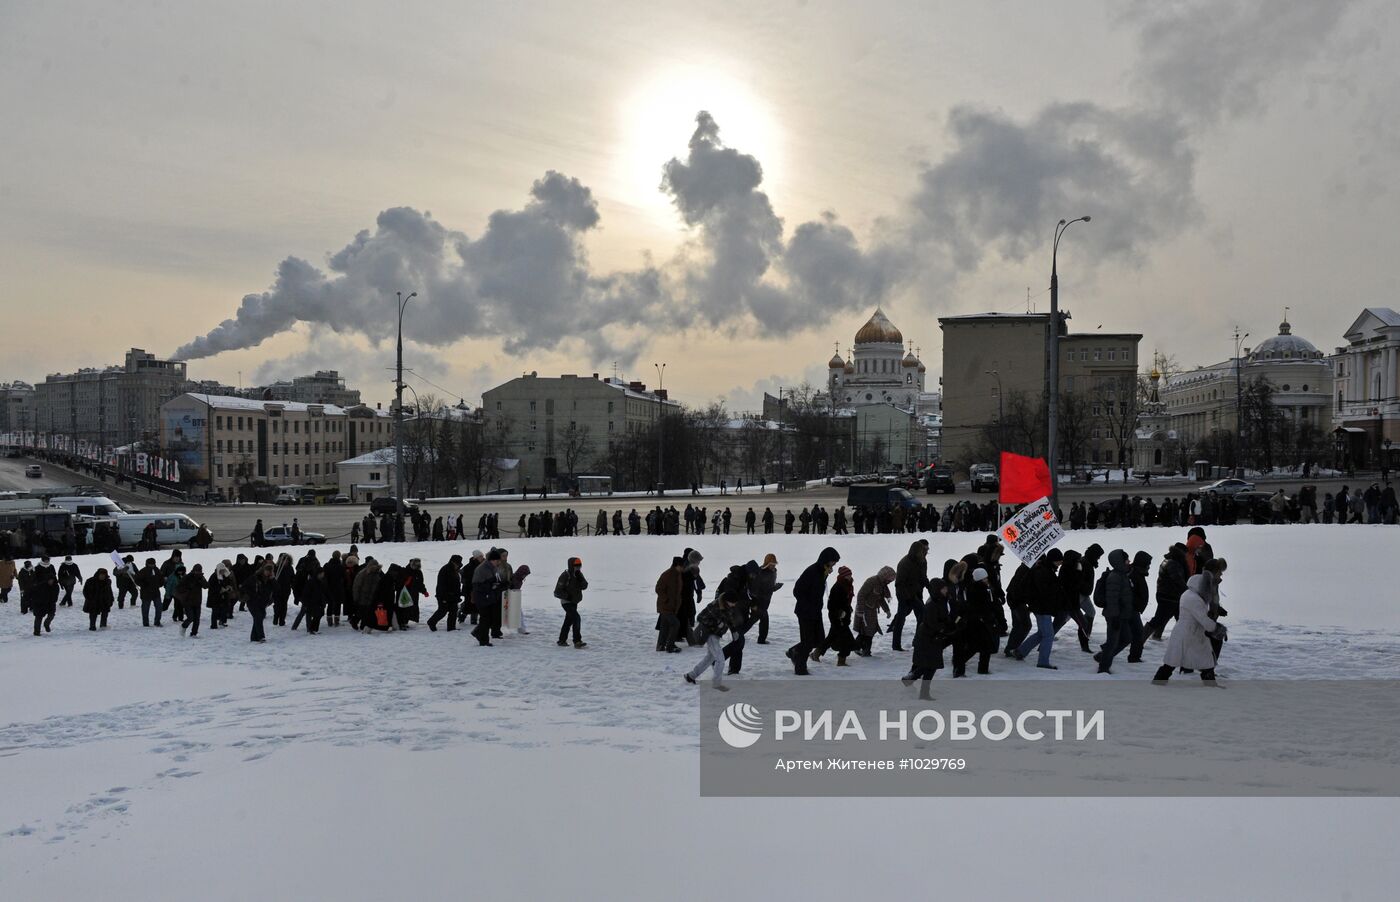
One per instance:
[(879, 369), (553, 425), (1205, 400), (112, 406), (230, 445), (994, 383), (1367, 386), (16, 407), (322, 387)]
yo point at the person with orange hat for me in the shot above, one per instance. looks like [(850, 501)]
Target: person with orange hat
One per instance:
[(569, 590)]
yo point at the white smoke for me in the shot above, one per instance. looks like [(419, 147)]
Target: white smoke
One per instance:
[(526, 281)]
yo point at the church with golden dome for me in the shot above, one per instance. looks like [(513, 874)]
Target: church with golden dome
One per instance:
[(880, 369)]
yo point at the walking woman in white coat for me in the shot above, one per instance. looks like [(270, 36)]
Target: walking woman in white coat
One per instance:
[(1189, 646)]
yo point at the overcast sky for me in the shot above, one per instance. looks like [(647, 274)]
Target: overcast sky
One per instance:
[(541, 174)]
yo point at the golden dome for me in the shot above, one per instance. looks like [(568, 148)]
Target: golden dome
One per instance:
[(836, 363), (879, 330), (910, 360)]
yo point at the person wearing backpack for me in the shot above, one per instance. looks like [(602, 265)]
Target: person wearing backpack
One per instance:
[(569, 590), (711, 624), (1114, 593)]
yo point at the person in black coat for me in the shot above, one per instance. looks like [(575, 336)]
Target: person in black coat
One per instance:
[(97, 599), (487, 587), (189, 596), (810, 593), (449, 593), (840, 608), (692, 594), (1045, 603), (468, 607), (1171, 582), (313, 601), (1071, 585), (911, 578), (285, 576), (934, 632), (975, 631), (68, 578), (44, 590), (260, 590), (258, 539), (149, 584), (744, 613)]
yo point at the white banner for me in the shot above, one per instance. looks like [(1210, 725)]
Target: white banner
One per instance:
[(1032, 531)]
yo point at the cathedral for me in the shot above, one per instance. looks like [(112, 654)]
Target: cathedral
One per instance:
[(880, 370)]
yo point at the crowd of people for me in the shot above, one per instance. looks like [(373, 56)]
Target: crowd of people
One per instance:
[(965, 607), (963, 610)]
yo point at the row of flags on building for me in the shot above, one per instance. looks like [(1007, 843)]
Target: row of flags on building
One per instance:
[(126, 460)]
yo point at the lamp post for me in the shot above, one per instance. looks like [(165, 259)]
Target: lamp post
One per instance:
[(1053, 351), (398, 421), (1239, 406), (1385, 461), (660, 428), (1001, 413), (1380, 430)]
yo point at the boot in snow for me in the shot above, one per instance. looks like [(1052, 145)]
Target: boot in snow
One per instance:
[(924, 694)]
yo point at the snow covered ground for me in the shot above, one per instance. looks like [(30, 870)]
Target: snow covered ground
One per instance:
[(135, 764)]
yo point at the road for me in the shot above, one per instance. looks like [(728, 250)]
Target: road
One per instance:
[(231, 524)]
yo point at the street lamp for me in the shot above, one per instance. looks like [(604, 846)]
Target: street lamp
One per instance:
[(1001, 413), (1239, 407), (660, 427), (1053, 351), (398, 421)]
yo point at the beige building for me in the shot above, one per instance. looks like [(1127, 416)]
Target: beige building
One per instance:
[(994, 381), (553, 425), (16, 407), (112, 406), (229, 445), (1202, 401), (1367, 372)]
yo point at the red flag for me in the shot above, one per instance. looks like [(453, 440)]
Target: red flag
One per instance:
[(1023, 479)]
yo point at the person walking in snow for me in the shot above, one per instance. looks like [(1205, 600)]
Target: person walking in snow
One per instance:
[(487, 586), (1189, 645), (711, 625), (933, 634), (1171, 582), (911, 577), (873, 597), (762, 585), (189, 597), (97, 599), (569, 589), (1115, 592), (669, 586), (976, 624), (68, 578), (449, 593), (810, 592), (840, 609)]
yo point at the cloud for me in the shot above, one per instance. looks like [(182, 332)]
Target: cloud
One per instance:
[(527, 283)]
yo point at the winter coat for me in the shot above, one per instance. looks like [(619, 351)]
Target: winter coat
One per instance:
[(1171, 579), (97, 595), (840, 603), (149, 583), (362, 589), (762, 585), (449, 584), (1118, 586), (935, 628), (716, 619), (1020, 590), (1045, 589), (68, 574), (570, 586), (1189, 643), (7, 574), (911, 575), (810, 588), (874, 596), (1142, 566), (668, 591)]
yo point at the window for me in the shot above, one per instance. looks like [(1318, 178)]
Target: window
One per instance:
[(374, 477), (532, 425), (532, 407), (1112, 353), (1069, 384), (1097, 410), (318, 470), (240, 446), (296, 426), (219, 422), (296, 448), (549, 405), (1098, 354), (240, 422), (219, 470), (296, 471), (610, 407), (1305, 388), (610, 423), (219, 446), (1285, 386), (274, 469)]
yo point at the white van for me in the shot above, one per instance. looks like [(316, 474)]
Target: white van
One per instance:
[(171, 529), (93, 506)]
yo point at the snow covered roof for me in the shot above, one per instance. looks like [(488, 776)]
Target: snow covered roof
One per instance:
[(229, 402), (381, 456)]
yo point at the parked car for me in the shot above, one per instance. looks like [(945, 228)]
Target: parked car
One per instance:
[(339, 499), (282, 535), (286, 500), (1227, 487), (984, 478), (841, 481), (34, 471), (879, 496), (388, 505), (171, 529), (940, 479)]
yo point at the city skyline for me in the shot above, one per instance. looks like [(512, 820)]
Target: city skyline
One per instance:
[(153, 187)]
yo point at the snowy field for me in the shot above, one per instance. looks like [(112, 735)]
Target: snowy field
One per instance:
[(135, 764)]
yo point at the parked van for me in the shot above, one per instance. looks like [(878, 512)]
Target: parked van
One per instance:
[(91, 505), (171, 529)]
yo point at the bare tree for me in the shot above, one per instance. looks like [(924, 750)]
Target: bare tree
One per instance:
[(576, 443), (1119, 401)]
